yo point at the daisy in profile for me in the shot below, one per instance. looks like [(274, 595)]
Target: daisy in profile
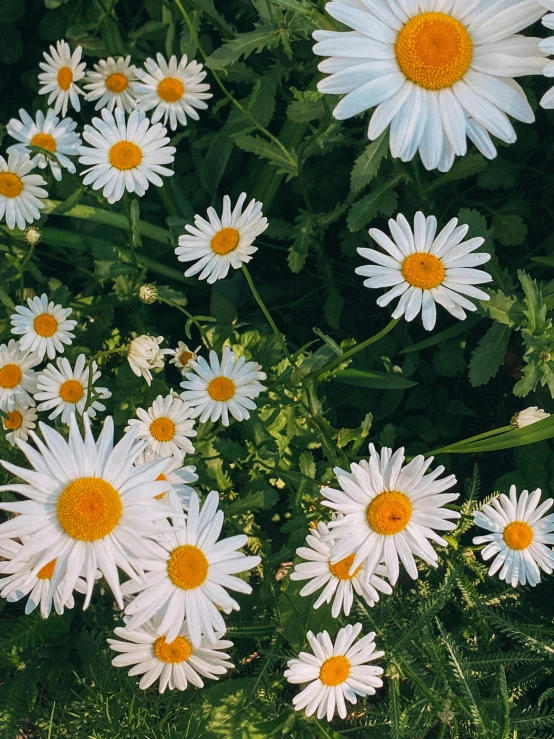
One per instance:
[(178, 476), (335, 672), (437, 72), (424, 269), (125, 155), (61, 72), (18, 382), (21, 419), (111, 84), (87, 507), (183, 356), (44, 327), (174, 89), (166, 427), (336, 580), (216, 389), (521, 536), (392, 511), (21, 193), (190, 576), (57, 137), (216, 244), (528, 416), (145, 354)]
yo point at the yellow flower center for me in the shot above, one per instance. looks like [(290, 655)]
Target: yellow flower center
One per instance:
[(225, 241), (89, 508), (434, 50), (389, 513), (423, 270), (340, 569), (117, 82), (10, 185), (187, 567), (178, 650), (334, 670), (10, 376), (45, 140), (71, 391), (185, 358), (13, 421), (221, 388), (125, 155), (162, 429), (171, 89), (45, 325), (65, 78), (46, 572), (518, 535), (161, 476)]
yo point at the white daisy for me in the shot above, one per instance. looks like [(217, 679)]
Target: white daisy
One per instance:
[(43, 326), (547, 46), (335, 579), (125, 155), (21, 193), (174, 89), (21, 419), (425, 269), (62, 70), (174, 663), (182, 356), (335, 672), (145, 354), (521, 536), (18, 382), (219, 243), (391, 511), (437, 71), (528, 416), (166, 426), (87, 507), (189, 576), (64, 390), (179, 478), (112, 84), (57, 137)]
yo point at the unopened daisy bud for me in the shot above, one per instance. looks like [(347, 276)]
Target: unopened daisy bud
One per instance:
[(32, 235), (148, 294), (528, 416), (145, 354), (28, 293)]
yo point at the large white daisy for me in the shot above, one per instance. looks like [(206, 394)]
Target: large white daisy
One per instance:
[(112, 84), (21, 419), (61, 71), (44, 327), (145, 354), (18, 382), (216, 244), (437, 71), (21, 193), (178, 476), (424, 269), (166, 426)]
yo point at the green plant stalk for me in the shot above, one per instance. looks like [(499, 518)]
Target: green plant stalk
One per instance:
[(471, 439), (191, 318)]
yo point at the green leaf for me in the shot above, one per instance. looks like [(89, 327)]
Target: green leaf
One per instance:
[(11, 48), (382, 201), (367, 164), (504, 308), (11, 11), (539, 431), (265, 36), (171, 295), (300, 247), (509, 228), (489, 355), (467, 166), (270, 151), (535, 309), (373, 379), (260, 500)]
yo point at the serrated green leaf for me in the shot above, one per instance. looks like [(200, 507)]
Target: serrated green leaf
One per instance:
[(509, 228), (382, 201), (270, 151), (535, 309), (489, 355), (265, 36), (367, 164)]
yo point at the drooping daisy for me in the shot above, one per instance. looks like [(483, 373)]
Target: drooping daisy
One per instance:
[(528, 416), (174, 89), (18, 382), (216, 244), (145, 354), (125, 154), (21, 419), (183, 356), (87, 506), (425, 269), (62, 70), (166, 426), (112, 84), (43, 326), (391, 511), (174, 663), (64, 390), (335, 672), (547, 46), (190, 576), (57, 137), (521, 539), (335, 579), (216, 389), (437, 71), (178, 476), (21, 193)]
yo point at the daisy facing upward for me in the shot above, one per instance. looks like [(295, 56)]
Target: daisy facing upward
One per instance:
[(61, 72), (166, 426), (21, 192), (44, 326), (112, 84)]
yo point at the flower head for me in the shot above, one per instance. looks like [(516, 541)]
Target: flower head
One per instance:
[(21, 419), (148, 294), (166, 426), (18, 382), (32, 236), (145, 354), (112, 84), (528, 416), (179, 478), (21, 193), (43, 326), (61, 71)]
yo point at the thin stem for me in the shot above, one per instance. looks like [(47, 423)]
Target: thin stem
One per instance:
[(91, 394), (24, 264), (192, 319), (471, 439)]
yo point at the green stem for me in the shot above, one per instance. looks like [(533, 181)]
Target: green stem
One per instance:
[(471, 439), (24, 264), (192, 319)]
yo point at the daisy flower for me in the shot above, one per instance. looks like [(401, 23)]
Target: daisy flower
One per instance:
[(521, 536), (216, 389), (125, 155), (145, 354), (182, 356), (166, 427), (547, 47), (217, 244), (43, 326), (17, 380), (174, 89), (64, 390), (391, 511), (437, 71), (112, 84), (179, 478), (425, 269), (87, 506), (21, 419), (528, 416), (189, 577), (335, 672), (335, 579), (61, 71), (174, 663), (57, 137), (21, 193)]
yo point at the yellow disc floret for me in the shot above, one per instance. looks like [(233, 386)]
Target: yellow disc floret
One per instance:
[(14, 420), (125, 155), (187, 567), (170, 89), (45, 325), (89, 508), (45, 140), (10, 185), (117, 82), (221, 388), (389, 513), (518, 535), (334, 670), (225, 241), (71, 391), (65, 78), (10, 376), (46, 572), (423, 270), (342, 568), (179, 650), (162, 429)]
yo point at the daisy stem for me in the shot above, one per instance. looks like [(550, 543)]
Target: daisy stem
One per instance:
[(192, 319), (470, 440), (23, 267), (91, 394)]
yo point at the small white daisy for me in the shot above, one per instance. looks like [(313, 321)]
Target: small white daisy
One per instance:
[(183, 356), (64, 390), (190, 576), (18, 382), (43, 326), (125, 155), (528, 416), (166, 426), (179, 477), (21, 193), (425, 269), (61, 71), (145, 354), (521, 536), (335, 672), (547, 47), (21, 419), (336, 580), (174, 89), (57, 137), (112, 84), (216, 244), (391, 511)]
